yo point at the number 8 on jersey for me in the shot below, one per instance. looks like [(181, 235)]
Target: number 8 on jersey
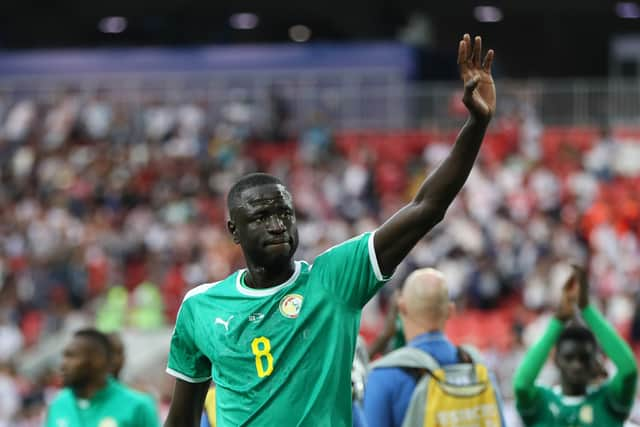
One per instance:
[(261, 353)]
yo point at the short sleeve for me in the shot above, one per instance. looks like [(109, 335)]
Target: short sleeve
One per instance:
[(350, 271), (186, 361)]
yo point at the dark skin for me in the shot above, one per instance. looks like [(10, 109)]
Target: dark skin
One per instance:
[(117, 354), (576, 362), (266, 212), (85, 367)]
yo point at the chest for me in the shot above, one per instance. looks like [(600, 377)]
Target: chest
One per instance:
[(82, 413), (591, 412)]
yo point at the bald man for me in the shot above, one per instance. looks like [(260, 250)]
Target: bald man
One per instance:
[(424, 308)]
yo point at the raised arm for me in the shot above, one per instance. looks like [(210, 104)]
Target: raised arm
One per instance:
[(396, 237), (622, 386), (186, 404), (524, 379)]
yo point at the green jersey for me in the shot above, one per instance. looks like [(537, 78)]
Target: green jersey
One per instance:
[(280, 356), (606, 406), (553, 409), (114, 406)]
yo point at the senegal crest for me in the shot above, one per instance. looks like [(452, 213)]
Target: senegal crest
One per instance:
[(290, 305), (108, 422)]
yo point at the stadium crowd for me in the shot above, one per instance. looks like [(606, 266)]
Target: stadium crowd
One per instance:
[(113, 214)]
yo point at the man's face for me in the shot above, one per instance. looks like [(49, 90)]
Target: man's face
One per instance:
[(576, 361), (117, 355), (77, 364), (264, 224)]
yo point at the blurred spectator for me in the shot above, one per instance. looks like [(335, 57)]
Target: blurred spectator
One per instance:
[(10, 402)]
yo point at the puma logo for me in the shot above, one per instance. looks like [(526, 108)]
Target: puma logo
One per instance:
[(224, 323)]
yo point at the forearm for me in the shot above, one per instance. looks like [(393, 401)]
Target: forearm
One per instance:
[(441, 187), (396, 237), (624, 382), (532, 363)]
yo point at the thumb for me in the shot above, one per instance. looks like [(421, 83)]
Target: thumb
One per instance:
[(469, 87)]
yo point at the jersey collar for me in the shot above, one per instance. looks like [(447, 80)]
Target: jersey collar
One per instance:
[(251, 292)]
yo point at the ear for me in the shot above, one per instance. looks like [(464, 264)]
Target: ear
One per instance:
[(402, 305), (451, 310), (231, 226)]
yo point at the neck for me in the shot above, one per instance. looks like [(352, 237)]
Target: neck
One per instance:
[(87, 391), (262, 277), (414, 328), (573, 390)]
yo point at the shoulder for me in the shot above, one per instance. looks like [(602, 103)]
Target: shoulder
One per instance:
[(389, 377), (63, 398), (135, 397), (361, 239), (209, 288)]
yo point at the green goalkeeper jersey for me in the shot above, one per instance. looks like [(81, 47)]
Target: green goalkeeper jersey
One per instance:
[(280, 356)]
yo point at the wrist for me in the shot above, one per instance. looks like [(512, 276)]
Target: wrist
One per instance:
[(479, 119)]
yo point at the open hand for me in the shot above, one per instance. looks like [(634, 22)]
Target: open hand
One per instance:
[(479, 90)]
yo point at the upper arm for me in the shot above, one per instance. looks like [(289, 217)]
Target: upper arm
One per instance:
[(349, 271), (621, 392), (186, 361), (186, 404), (400, 233), (378, 409)]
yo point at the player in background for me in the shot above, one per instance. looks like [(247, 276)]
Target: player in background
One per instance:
[(117, 354), (92, 397), (279, 336), (576, 402)]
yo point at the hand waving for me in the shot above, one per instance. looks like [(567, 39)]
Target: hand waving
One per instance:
[(479, 90)]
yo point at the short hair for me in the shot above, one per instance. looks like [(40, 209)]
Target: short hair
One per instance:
[(577, 333), (101, 340), (248, 181)]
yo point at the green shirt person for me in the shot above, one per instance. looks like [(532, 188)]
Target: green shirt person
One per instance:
[(91, 397), (577, 402), (279, 337)]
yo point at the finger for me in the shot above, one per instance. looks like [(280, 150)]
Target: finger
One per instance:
[(462, 52), (467, 43), (488, 60), (471, 85), (477, 51)]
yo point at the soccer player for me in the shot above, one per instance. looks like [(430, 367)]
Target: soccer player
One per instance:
[(279, 336), (578, 401), (117, 354), (91, 397)]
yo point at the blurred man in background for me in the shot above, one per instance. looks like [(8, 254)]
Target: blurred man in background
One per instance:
[(424, 307), (577, 402), (92, 397), (117, 354)]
